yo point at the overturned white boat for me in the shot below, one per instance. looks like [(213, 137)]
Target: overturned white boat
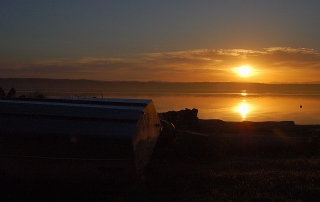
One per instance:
[(76, 138)]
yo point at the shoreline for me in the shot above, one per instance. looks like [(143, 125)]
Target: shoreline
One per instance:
[(187, 120)]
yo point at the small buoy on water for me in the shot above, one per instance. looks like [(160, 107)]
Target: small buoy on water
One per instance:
[(300, 106)]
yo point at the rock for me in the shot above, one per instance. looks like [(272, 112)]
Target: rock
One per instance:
[(184, 119)]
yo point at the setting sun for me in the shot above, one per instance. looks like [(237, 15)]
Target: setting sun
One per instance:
[(244, 71)]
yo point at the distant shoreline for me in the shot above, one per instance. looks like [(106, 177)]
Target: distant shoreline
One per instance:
[(68, 85)]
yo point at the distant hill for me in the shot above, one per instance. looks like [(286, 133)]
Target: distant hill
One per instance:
[(65, 85)]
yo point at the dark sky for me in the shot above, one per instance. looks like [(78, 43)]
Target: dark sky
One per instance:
[(188, 40)]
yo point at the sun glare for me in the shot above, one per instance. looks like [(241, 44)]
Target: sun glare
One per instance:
[(244, 71), (243, 109)]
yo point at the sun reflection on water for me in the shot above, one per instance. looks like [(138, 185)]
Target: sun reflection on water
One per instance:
[(244, 93), (243, 108)]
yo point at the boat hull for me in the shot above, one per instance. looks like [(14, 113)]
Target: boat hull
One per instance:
[(76, 139)]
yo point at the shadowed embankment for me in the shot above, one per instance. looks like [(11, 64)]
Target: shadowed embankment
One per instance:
[(243, 137)]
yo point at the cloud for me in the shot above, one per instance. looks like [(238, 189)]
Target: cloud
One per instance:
[(289, 57), (274, 64)]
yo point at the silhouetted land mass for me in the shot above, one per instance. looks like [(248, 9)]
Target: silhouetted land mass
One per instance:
[(66, 85)]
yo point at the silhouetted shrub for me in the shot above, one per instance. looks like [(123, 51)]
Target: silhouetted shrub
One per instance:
[(36, 94), (11, 93)]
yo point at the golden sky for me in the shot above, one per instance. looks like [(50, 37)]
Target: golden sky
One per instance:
[(269, 65)]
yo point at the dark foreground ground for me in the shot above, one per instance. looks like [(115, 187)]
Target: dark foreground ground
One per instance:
[(210, 164)]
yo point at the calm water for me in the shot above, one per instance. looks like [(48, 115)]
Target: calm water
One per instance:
[(300, 108)]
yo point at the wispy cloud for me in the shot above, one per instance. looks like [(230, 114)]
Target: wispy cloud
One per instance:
[(274, 64)]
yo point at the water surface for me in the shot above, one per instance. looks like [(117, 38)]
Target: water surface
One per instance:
[(300, 108)]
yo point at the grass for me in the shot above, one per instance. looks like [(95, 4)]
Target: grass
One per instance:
[(233, 177), (211, 168), (237, 179)]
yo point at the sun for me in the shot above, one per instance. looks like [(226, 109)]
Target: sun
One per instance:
[(243, 71)]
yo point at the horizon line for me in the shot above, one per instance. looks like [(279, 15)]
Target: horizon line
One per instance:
[(160, 81)]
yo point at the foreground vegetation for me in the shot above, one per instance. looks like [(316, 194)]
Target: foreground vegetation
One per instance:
[(270, 173), (235, 179), (182, 171)]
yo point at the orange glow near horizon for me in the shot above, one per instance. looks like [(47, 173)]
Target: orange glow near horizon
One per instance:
[(270, 65)]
